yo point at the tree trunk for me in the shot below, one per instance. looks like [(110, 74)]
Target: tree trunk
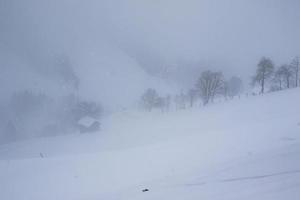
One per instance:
[(297, 70), (280, 87), (263, 85)]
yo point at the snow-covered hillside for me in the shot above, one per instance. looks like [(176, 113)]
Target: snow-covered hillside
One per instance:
[(245, 148)]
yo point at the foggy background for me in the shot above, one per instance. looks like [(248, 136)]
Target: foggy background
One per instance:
[(111, 51)]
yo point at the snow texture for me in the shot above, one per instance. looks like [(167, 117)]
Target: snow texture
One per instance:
[(246, 149)]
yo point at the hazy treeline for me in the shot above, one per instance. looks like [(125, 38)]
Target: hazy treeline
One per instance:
[(32, 112), (39, 111), (208, 86), (276, 77), (212, 84)]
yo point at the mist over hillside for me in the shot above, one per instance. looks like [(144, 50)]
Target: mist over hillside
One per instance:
[(149, 99), (121, 37), (109, 52)]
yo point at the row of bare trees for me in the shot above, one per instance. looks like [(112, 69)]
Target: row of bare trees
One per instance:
[(209, 85), (284, 76), (151, 99)]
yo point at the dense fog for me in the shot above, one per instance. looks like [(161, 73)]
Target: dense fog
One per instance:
[(105, 54), (149, 99)]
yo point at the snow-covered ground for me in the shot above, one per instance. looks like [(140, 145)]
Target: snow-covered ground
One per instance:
[(245, 148)]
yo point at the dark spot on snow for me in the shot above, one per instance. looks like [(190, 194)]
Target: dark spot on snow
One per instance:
[(145, 190)]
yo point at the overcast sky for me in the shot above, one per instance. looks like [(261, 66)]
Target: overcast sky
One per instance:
[(99, 35)]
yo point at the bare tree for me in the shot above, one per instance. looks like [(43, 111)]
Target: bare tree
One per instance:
[(296, 67), (192, 94), (149, 99), (160, 103), (167, 102), (225, 89), (264, 71), (286, 72), (180, 100), (277, 80), (209, 84)]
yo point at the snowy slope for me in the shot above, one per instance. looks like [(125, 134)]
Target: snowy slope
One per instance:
[(239, 149)]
